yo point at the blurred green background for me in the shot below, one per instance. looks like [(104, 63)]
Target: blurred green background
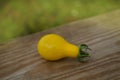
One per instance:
[(22, 17)]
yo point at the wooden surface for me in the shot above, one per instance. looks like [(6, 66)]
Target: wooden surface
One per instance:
[(19, 59)]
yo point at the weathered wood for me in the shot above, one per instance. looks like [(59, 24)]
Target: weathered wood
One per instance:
[(19, 59)]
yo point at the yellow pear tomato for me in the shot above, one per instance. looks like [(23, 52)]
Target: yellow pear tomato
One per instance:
[(54, 47)]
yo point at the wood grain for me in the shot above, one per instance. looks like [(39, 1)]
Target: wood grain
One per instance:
[(19, 59)]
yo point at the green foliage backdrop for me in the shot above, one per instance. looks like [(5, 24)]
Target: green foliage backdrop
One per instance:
[(22, 17)]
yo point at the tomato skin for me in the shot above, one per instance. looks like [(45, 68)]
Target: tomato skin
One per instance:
[(72, 50), (54, 47)]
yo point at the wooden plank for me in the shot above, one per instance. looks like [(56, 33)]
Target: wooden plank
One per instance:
[(19, 59)]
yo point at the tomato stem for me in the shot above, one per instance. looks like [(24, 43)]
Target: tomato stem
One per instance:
[(83, 54)]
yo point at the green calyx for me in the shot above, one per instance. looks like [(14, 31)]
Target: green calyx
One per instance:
[(83, 54)]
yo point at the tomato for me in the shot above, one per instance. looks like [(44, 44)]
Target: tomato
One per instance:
[(54, 47)]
